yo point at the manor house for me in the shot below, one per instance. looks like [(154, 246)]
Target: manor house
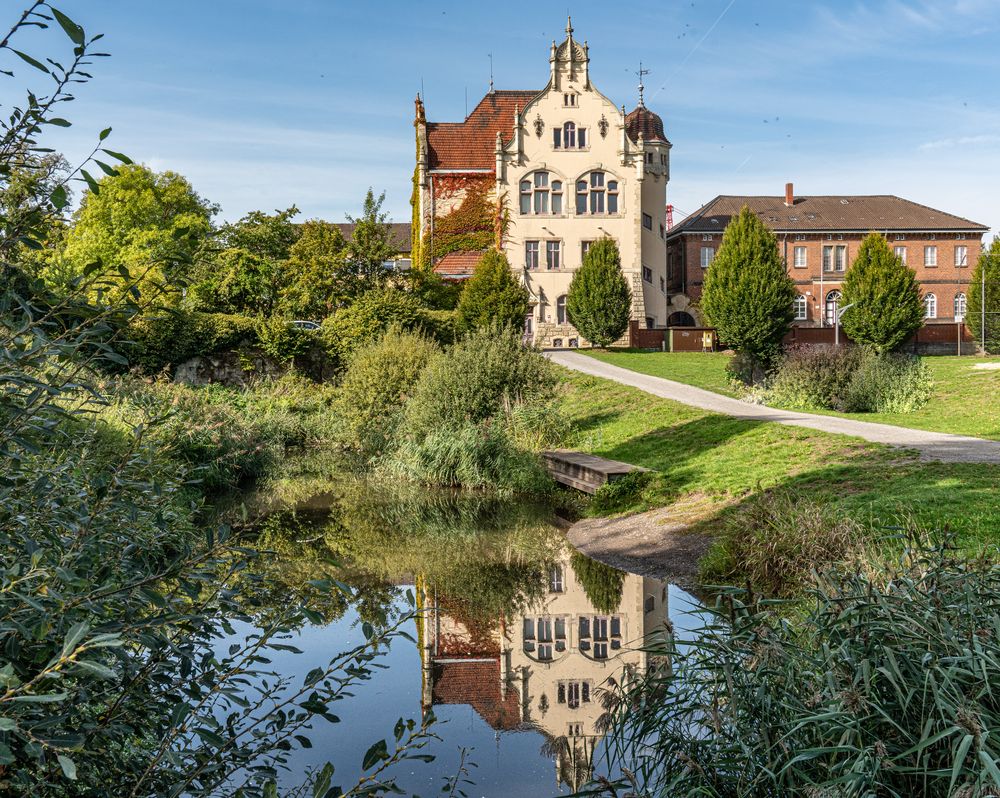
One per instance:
[(543, 174)]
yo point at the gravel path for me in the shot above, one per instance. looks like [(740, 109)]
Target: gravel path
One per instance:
[(930, 445)]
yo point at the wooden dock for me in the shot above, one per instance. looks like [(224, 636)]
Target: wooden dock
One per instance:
[(585, 472)]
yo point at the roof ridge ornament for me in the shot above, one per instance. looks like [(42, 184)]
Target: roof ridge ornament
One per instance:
[(641, 73)]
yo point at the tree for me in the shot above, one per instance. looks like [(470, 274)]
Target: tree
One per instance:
[(371, 242), (599, 302), (148, 222), (316, 278), (492, 297), (988, 265), (747, 295), (888, 307), (267, 235)]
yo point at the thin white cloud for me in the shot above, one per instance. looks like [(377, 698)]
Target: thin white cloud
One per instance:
[(961, 141)]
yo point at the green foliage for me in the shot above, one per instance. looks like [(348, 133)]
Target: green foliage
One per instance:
[(371, 242), (315, 279), (887, 306), (470, 227), (599, 302), (479, 378), (239, 281), (601, 583), (747, 294), (850, 380), (370, 315), (269, 236), (619, 495), (883, 685), (492, 297), (988, 266), (432, 290), (777, 540), (152, 223), (282, 341), (169, 337), (375, 387)]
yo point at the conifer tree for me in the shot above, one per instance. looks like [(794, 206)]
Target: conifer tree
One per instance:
[(887, 305), (989, 264), (492, 297), (599, 302), (747, 295)]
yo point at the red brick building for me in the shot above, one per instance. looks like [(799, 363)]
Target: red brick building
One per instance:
[(819, 239)]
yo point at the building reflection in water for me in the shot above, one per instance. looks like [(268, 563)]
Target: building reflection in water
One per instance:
[(552, 669)]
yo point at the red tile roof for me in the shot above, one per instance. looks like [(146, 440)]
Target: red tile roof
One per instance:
[(478, 685), (457, 265), (471, 144), (642, 120), (399, 234)]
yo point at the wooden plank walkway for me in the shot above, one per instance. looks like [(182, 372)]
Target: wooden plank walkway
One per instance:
[(585, 472)]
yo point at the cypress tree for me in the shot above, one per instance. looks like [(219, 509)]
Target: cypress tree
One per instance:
[(747, 295), (492, 296), (989, 264), (888, 307), (599, 302)]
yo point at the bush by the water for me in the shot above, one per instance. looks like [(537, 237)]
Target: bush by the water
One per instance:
[(850, 380), (776, 540), (884, 685)]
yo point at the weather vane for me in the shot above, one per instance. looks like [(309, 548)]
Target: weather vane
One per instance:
[(640, 74)]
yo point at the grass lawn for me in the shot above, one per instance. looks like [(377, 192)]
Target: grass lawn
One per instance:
[(725, 461), (966, 400)]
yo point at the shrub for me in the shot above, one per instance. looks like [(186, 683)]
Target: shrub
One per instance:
[(442, 325), (492, 297), (620, 495), (283, 342), (599, 301), (989, 262), (484, 375), (775, 540), (375, 386), (747, 292), (884, 685), (885, 294), (850, 380), (153, 342), (601, 583)]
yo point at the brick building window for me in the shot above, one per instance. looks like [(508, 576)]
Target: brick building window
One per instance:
[(552, 254), (832, 307), (801, 308), (930, 256), (835, 258), (801, 257), (961, 256), (930, 306), (961, 307), (530, 254), (596, 194), (900, 253), (706, 237), (707, 256)]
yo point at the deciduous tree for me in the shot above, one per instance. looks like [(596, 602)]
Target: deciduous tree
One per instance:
[(371, 242), (887, 306), (599, 302), (988, 266)]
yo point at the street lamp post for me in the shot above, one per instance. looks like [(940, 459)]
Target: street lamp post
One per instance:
[(836, 322)]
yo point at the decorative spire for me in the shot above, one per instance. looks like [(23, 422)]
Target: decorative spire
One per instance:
[(641, 73), (569, 26), (491, 74)]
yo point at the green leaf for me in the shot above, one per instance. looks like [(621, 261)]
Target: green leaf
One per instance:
[(374, 755), (117, 155), (68, 766), (58, 121), (32, 61), (58, 197), (91, 183), (7, 724), (75, 634), (74, 31), (322, 783), (105, 133)]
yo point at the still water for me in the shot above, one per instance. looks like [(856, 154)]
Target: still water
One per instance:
[(516, 637)]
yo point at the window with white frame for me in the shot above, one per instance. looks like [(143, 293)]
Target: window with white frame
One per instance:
[(584, 249), (561, 309), (706, 237), (801, 308), (930, 306), (835, 258), (597, 194), (961, 307), (707, 256), (962, 256), (900, 237), (553, 251), (530, 254), (569, 137), (930, 256), (800, 257), (832, 308), (556, 571), (800, 237), (900, 253), (539, 196)]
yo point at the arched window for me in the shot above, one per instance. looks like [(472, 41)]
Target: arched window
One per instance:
[(930, 306), (561, 309), (832, 306), (540, 196), (961, 307), (597, 194), (569, 137), (801, 307)]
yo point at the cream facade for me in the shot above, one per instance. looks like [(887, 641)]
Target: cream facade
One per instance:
[(569, 167)]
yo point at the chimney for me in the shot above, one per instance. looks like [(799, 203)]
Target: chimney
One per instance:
[(789, 194)]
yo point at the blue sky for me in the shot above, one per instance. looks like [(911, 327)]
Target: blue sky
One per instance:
[(262, 104)]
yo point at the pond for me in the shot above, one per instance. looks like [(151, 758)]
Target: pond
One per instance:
[(515, 638)]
